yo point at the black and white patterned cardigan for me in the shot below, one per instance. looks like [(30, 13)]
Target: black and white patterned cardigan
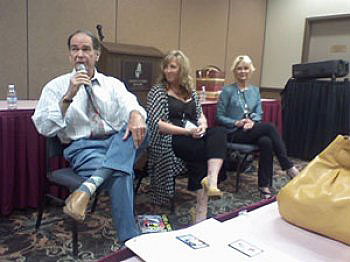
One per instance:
[(163, 165)]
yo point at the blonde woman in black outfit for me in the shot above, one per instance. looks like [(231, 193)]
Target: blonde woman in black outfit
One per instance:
[(180, 138), (239, 110)]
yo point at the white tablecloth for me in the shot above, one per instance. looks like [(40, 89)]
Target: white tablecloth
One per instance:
[(21, 104), (262, 228)]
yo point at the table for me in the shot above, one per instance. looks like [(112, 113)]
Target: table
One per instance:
[(314, 113), (271, 107), (260, 225), (126, 253), (22, 158)]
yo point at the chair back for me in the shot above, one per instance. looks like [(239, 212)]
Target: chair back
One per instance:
[(63, 176), (54, 147)]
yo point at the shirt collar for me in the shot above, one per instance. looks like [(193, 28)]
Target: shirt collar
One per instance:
[(242, 90), (97, 79)]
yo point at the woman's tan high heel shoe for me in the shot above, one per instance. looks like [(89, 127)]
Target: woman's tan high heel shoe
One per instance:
[(211, 191)]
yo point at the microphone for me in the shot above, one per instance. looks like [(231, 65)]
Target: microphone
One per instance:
[(81, 68)]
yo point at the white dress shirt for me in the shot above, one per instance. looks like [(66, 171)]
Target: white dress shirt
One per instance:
[(111, 96)]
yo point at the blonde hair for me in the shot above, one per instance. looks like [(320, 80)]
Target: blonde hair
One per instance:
[(185, 80), (246, 60)]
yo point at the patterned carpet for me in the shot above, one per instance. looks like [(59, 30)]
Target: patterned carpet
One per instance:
[(19, 241)]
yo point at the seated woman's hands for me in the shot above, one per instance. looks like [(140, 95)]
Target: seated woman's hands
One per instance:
[(245, 123), (198, 132), (248, 124), (202, 127)]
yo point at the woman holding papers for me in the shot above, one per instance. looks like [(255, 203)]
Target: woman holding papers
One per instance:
[(239, 110), (180, 139)]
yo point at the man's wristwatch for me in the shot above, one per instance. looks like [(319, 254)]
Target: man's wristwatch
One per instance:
[(67, 100)]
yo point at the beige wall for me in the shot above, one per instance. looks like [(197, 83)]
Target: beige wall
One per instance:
[(285, 23), (49, 23), (13, 46), (209, 32), (203, 32), (149, 22), (246, 34)]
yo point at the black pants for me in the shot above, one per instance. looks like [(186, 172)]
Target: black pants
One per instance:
[(196, 153), (265, 136)]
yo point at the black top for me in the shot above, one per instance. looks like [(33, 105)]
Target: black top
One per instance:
[(180, 111)]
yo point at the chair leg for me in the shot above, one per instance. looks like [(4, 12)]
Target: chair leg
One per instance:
[(137, 186), (172, 205), (140, 174), (238, 173), (93, 207), (75, 238), (172, 200), (40, 213)]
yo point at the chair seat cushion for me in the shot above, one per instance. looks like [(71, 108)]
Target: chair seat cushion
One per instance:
[(66, 177), (243, 148)]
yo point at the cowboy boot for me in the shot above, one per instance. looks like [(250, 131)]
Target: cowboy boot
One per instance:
[(76, 205)]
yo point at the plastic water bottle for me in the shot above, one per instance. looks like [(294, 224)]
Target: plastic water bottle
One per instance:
[(11, 97), (203, 96)]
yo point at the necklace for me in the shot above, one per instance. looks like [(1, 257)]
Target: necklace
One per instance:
[(244, 104)]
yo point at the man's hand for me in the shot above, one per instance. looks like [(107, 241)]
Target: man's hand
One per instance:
[(78, 80), (137, 127)]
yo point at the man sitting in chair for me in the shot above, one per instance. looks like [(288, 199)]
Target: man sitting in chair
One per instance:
[(104, 126)]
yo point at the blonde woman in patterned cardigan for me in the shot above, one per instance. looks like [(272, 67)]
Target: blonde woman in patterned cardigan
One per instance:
[(180, 139)]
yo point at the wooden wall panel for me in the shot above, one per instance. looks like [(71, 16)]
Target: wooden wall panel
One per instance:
[(13, 46), (50, 23), (246, 34), (203, 32), (153, 23), (209, 32)]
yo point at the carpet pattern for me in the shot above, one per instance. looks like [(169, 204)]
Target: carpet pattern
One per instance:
[(52, 242)]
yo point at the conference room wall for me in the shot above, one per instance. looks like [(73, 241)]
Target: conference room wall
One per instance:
[(285, 23), (13, 46), (246, 34), (210, 32), (49, 24)]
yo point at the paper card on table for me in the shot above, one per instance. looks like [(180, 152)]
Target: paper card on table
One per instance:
[(246, 248), (192, 241)]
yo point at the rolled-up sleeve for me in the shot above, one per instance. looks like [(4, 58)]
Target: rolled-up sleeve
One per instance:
[(47, 117)]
